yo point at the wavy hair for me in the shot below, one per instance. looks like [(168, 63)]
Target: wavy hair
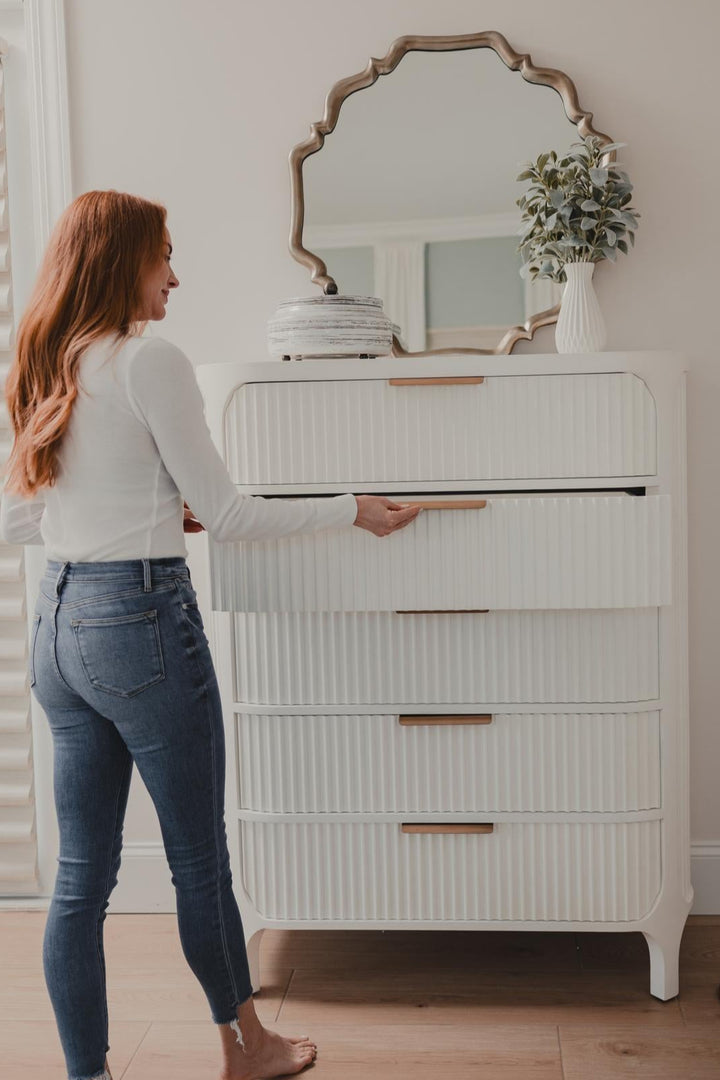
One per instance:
[(89, 285)]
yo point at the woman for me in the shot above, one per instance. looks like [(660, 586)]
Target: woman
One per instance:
[(110, 438)]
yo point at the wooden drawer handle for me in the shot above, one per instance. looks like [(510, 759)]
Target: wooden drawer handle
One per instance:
[(450, 504), (470, 827), (444, 611), (459, 718), (450, 380)]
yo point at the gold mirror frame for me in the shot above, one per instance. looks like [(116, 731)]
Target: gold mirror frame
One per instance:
[(490, 39)]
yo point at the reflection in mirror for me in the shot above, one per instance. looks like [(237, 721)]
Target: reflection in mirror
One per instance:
[(413, 196)]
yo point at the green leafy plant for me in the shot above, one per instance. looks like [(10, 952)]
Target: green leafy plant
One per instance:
[(576, 209)]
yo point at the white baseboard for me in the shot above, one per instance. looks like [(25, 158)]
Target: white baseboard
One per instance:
[(705, 877), (144, 883)]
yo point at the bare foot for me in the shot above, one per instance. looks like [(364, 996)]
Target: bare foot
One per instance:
[(251, 1052), (273, 1055)]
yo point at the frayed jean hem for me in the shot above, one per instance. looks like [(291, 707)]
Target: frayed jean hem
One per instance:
[(233, 1015)]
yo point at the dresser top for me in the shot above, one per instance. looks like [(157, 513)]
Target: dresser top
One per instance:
[(382, 367), (218, 380)]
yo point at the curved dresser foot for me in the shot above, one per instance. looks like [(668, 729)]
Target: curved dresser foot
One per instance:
[(664, 947), (252, 944)]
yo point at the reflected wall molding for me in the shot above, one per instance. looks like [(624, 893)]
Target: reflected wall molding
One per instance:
[(428, 230)]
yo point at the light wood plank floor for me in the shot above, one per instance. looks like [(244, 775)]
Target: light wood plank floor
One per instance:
[(401, 1005)]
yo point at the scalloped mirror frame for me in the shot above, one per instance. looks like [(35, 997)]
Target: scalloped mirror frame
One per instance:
[(490, 39)]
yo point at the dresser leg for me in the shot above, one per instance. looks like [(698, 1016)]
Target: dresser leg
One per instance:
[(252, 944), (664, 946)]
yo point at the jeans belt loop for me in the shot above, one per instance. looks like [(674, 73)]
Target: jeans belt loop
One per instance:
[(59, 580), (147, 579)]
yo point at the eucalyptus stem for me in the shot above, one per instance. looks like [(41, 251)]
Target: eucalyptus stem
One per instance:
[(576, 209)]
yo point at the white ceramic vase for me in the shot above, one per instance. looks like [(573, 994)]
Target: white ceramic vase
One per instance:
[(580, 327)]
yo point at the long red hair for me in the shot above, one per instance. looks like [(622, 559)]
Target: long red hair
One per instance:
[(89, 285)]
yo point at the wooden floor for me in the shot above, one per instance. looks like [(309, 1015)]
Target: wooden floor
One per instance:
[(403, 1004)]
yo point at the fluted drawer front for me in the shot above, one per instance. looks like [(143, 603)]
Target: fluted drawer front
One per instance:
[(369, 431), (577, 872), (571, 552), (515, 762), (307, 658)]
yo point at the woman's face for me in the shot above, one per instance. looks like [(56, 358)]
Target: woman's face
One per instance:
[(156, 284)]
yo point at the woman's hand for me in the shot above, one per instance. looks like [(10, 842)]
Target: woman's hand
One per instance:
[(190, 522), (382, 516)]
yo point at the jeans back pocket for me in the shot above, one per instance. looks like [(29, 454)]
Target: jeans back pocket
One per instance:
[(122, 654)]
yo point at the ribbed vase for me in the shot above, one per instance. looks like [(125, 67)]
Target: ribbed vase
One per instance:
[(580, 327)]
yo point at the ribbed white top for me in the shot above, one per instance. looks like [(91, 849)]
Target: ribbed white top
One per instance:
[(138, 445)]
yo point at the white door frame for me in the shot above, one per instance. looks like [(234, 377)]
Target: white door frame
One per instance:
[(45, 96), (48, 113)]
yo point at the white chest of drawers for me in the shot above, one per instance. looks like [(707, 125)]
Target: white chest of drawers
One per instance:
[(481, 721)]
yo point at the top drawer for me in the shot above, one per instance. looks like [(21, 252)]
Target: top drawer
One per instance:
[(370, 431)]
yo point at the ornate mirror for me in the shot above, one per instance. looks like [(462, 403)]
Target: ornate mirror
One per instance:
[(413, 199)]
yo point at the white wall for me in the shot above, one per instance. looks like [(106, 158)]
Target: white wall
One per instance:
[(199, 105)]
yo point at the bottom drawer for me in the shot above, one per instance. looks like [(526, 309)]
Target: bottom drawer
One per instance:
[(589, 872)]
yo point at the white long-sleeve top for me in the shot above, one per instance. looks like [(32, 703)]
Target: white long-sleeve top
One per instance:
[(137, 445)]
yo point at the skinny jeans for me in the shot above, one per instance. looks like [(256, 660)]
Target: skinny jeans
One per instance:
[(121, 666)]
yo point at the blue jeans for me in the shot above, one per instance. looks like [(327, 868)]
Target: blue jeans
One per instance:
[(121, 666)]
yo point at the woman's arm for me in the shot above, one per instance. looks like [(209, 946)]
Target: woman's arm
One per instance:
[(166, 398), (20, 518)]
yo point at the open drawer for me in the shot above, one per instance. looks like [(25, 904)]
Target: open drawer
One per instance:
[(494, 553)]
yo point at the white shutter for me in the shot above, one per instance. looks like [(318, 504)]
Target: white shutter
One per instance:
[(18, 834)]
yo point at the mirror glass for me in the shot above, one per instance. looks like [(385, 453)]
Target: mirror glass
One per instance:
[(412, 197)]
